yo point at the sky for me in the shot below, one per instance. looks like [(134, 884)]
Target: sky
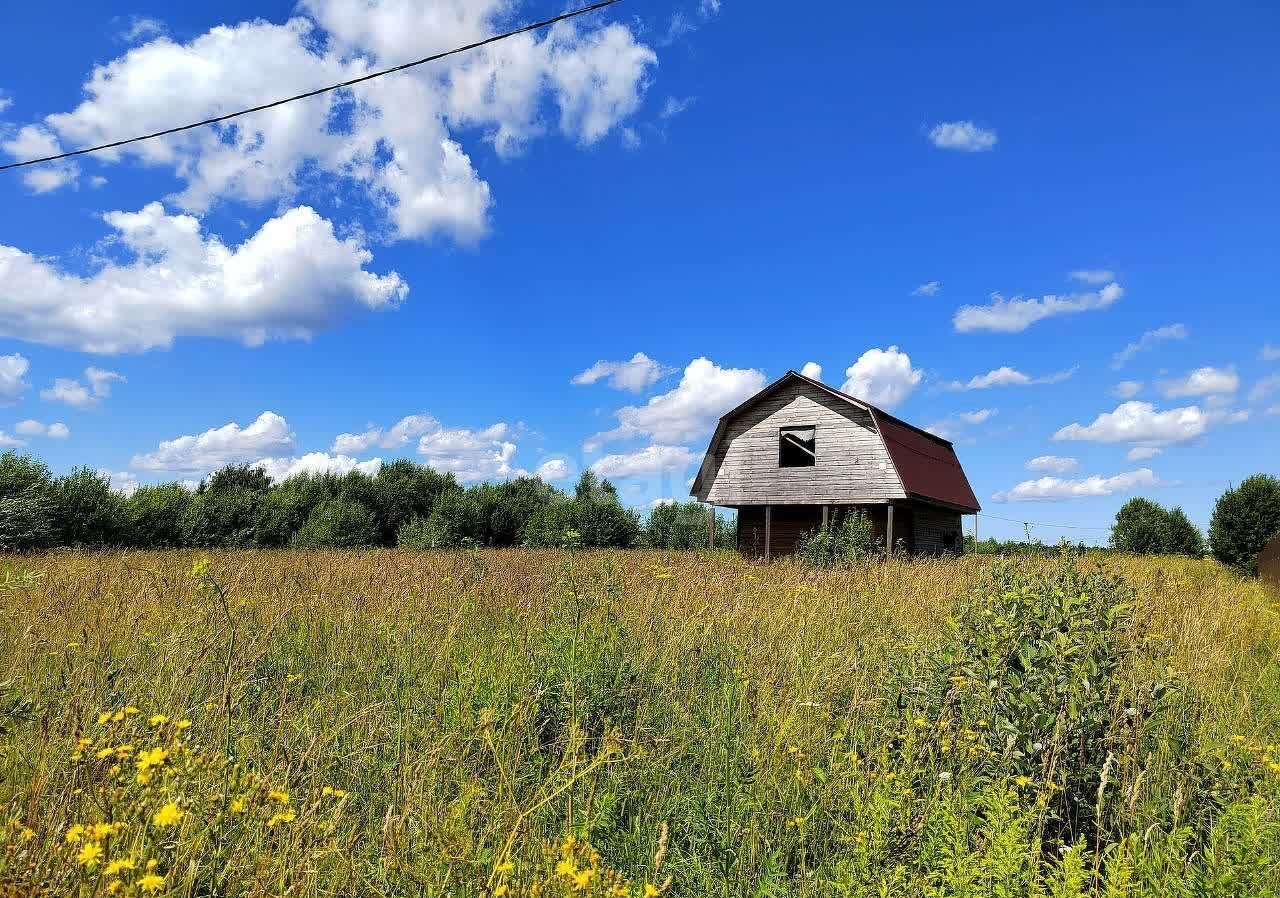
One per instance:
[(1046, 234)]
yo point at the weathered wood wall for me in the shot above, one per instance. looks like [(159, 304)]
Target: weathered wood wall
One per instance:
[(1269, 563), (932, 527), (852, 463)]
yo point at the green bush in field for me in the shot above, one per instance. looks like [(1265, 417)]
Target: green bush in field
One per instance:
[(1245, 518), (404, 490), (594, 517), (90, 514), (1184, 537), (338, 524), (683, 525), (155, 514), (27, 510), (1141, 527), (849, 540)]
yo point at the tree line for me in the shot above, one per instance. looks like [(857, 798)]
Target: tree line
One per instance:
[(1245, 518), (404, 504)]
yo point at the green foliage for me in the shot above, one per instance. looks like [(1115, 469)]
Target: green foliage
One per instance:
[(155, 515), (1184, 537), (89, 513), (1244, 519), (338, 524), (849, 540), (683, 525), (404, 490), (1141, 527), (27, 521), (594, 518)]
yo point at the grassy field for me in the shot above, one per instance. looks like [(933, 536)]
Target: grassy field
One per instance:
[(627, 723)]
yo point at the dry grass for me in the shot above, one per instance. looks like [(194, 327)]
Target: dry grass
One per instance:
[(443, 722)]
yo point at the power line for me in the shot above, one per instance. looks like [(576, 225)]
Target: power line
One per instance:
[(322, 90), (1040, 523)]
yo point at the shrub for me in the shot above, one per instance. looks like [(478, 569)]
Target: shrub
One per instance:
[(87, 511), (338, 524), (26, 510), (1141, 527), (155, 515), (683, 525), (1184, 537), (404, 490), (849, 540), (1244, 520)]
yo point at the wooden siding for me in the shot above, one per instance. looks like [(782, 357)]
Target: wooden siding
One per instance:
[(852, 462), (933, 526)]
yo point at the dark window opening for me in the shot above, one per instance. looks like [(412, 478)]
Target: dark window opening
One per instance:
[(797, 447)]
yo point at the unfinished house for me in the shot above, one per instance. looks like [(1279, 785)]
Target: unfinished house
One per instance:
[(800, 454)]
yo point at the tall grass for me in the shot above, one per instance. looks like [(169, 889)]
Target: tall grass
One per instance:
[(590, 723)]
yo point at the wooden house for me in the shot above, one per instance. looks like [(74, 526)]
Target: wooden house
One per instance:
[(1269, 563), (800, 454)]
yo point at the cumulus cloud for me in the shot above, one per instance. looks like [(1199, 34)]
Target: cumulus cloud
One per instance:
[(1057, 488), (398, 435), (633, 375), (123, 482), (1053, 464), (395, 137), (1148, 340), (964, 136), (282, 468), (472, 454), (929, 288), (8, 441), (72, 392), (882, 377), (1270, 353), (1092, 275), (1140, 422), (37, 142), (552, 469), (33, 428), (952, 425), (812, 370), (1264, 388), (653, 459), (1127, 389), (290, 279), (1011, 316), (13, 373), (673, 106), (705, 392), (1004, 376), (266, 437), (1142, 453), (1206, 381)]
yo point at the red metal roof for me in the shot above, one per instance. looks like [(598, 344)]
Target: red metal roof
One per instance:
[(926, 463)]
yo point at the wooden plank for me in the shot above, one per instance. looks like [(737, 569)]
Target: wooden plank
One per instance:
[(711, 527), (768, 531)]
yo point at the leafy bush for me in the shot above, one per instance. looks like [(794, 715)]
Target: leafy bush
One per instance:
[(89, 513), (404, 490), (27, 522), (849, 540), (1184, 537), (155, 515), (593, 518), (1244, 520), (683, 525), (1141, 527), (338, 524)]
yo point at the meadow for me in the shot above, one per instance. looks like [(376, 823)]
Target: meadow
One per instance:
[(574, 722)]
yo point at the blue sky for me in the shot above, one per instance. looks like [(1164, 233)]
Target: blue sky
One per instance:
[(917, 199)]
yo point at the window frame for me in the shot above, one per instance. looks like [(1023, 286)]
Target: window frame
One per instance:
[(782, 445)]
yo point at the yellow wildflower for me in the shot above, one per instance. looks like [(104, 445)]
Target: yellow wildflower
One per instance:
[(169, 815), (119, 865), (500, 891), (74, 833), (89, 855), (505, 867), (104, 717), (237, 806), (157, 720), (336, 793), (113, 886), (152, 757), (183, 724), (282, 817), (651, 891), (582, 880), (566, 868), (277, 795), (151, 883), (100, 831)]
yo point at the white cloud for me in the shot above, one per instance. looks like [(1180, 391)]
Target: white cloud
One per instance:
[(1011, 316), (1056, 488), (552, 469), (33, 428), (398, 435), (1264, 388), (1092, 275), (1053, 464), (1004, 376), (964, 136), (75, 394), (929, 288), (632, 375), (1142, 453), (705, 392), (267, 437), (812, 370), (5, 101), (1270, 353), (1206, 381), (653, 459), (1139, 422), (1148, 340), (673, 106), (37, 142), (472, 454), (69, 391), (1127, 389), (10, 442), (13, 372), (952, 425), (290, 279), (123, 482), (279, 469), (882, 377), (392, 137), (142, 28)]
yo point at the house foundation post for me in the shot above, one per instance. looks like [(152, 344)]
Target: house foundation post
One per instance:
[(768, 532), (888, 532), (711, 526)]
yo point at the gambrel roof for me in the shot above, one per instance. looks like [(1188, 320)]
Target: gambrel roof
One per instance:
[(926, 464)]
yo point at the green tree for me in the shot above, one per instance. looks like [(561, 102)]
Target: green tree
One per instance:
[(1141, 527), (683, 525), (155, 515), (338, 524), (1184, 537), (404, 490), (1244, 520), (26, 504), (87, 512)]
